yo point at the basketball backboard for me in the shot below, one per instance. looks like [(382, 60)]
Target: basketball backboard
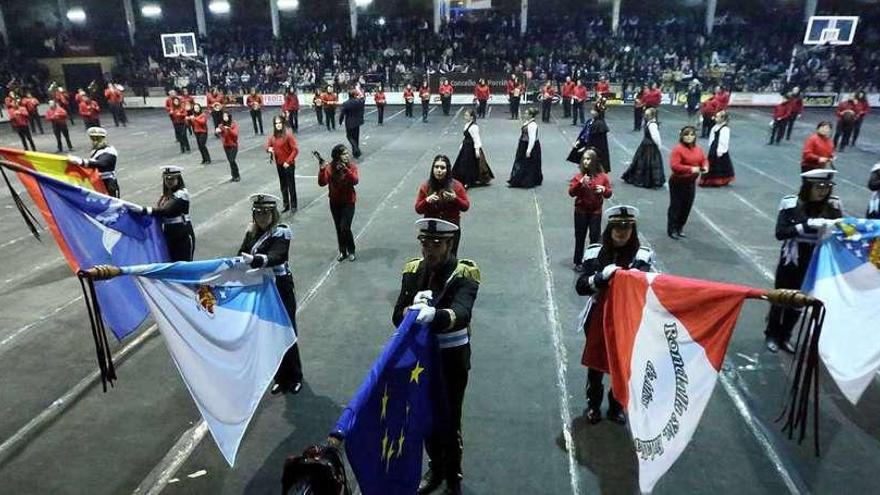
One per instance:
[(831, 30), (179, 45)]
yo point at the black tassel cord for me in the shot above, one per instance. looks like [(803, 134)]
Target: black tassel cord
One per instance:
[(805, 377), (29, 218), (99, 332)]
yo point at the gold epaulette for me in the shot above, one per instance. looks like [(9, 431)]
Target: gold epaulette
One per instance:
[(412, 265), (468, 269)]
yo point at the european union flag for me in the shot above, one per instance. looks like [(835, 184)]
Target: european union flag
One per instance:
[(386, 422)]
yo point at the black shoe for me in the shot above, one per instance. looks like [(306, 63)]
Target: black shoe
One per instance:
[(787, 347), (671, 234), (276, 389), (616, 415), (352, 257), (453, 487), (771, 345), (680, 234), (295, 388), (341, 257), (236, 179), (593, 414), (430, 482), (286, 209)]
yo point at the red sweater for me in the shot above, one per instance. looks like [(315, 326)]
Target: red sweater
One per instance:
[(291, 103), (682, 159), (18, 117), (446, 90), (862, 108), (329, 99), (782, 111), (178, 114), (602, 88), (252, 99), (57, 115), (408, 95), (341, 186), (795, 106), (482, 92), (844, 106), (586, 199), (229, 135), (568, 89), (212, 98), (580, 93), (199, 123), (425, 93), (445, 209), (548, 93), (723, 98), (379, 97), (89, 110), (284, 148), (31, 104), (652, 97), (61, 98), (709, 107), (816, 147), (113, 95)]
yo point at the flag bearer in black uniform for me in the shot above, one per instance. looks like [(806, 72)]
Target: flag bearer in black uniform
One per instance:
[(103, 158), (173, 210), (620, 248), (266, 244), (443, 290), (800, 224)]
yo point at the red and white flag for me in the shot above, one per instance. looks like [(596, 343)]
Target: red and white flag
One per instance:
[(666, 337)]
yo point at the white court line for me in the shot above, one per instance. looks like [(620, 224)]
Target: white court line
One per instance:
[(395, 115), (158, 477), (560, 352)]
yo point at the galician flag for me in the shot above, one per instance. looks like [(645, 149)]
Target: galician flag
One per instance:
[(845, 275), (227, 330), (666, 337)]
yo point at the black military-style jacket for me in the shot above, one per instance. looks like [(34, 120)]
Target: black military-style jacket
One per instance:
[(269, 249)]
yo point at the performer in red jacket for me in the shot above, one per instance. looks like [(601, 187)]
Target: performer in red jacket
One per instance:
[(198, 122), (290, 107), (548, 96), (590, 188), (795, 108), (62, 99), (379, 100), (113, 95), (687, 161), (408, 98), (58, 117), (567, 92), (654, 96), (178, 120), (445, 91), (862, 108), (602, 88), (781, 114), (818, 151), (425, 97), (90, 112), (847, 113), (254, 102), (228, 132), (482, 93), (723, 97), (708, 109), (32, 105), (443, 197), (514, 95), (216, 102), (18, 118), (283, 151), (578, 96), (340, 176), (329, 100)]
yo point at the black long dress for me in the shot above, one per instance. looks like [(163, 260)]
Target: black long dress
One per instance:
[(526, 171), (720, 167), (646, 168), (467, 169), (593, 135)]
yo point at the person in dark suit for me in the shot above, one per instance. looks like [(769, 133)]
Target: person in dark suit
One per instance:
[(352, 115)]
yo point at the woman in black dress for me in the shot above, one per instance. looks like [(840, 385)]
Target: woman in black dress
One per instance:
[(526, 171), (646, 168), (471, 167), (720, 167), (172, 209), (593, 135)]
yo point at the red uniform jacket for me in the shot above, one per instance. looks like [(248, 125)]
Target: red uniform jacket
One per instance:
[(329, 99), (510, 85), (548, 93), (709, 107), (31, 104), (723, 98), (602, 88), (445, 209), (211, 99), (586, 199), (61, 98), (379, 97), (341, 185), (816, 147), (7, 102), (568, 89), (446, 90), (251, 99), (78, 98), (169, 105), (682, 159), (187, 101), (57, 116), (113, 96), (284, 148), (862, 108), (580, 93), (89, 110), (844, 106), (291, 103), (653, 97), (18, 117), (229, 135), (425, 93), (408, 95), (199, 123), (482, 93), (795, 106), (782, 111), (178, 114)]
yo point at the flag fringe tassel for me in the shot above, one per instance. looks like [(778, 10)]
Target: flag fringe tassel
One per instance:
[(29, 218), (99, 332)]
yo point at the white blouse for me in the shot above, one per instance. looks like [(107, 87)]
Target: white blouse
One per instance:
[(474, 131), (654, 132), (723, 138), (532, 130)]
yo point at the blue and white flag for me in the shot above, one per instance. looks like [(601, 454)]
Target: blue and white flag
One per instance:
[(845, 274), (227, 329)]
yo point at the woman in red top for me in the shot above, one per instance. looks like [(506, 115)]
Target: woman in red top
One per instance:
[(443, 197), (781, 113), (291, 108), (283, 150), (818, 149), (228, 132), (408, 98), (379, 99), (589, 188), (482, 93), (254, 102), (340, 176), (58, 117), (18, 117), (862, 109), (328, 101), (548, 97), (445, 91), (318, 105), (216, 100), (32, 104), (90, 112), (198, 121), (177, 112), (687, 161)]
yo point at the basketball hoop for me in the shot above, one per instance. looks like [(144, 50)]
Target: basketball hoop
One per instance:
[(183, 46), (824, 31)]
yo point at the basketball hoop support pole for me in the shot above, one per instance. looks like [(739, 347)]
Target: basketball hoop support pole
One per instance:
[(791, 65), (208, 71)]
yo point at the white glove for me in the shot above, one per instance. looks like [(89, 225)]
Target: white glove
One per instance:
[(426, 314), (247, 258), (75, 160), (608, 271), (820, 223), (423, 296)]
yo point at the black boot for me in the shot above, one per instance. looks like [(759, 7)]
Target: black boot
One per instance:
[(453, 486), (431, 481)]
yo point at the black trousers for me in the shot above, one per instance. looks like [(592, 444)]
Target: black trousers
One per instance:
[(577, 112), (777, 132), (69, 113), (781, 321), (290, 371), (789, 125), (408, 109), (514, 107), (681, 199), (112, 187), (96, 122), (319, 111), (546, 106), (857, 127), (287, 182), (595, 390), (446, 104), (293, 120), (257, 118), (584, 222), (181, 241), (119, 117), (215, 117), (343, 214), (202, 143), (182, 138), (58, 131), (481, 108), (231, 153), (566, 107), (426, 107), (330, 117), (445, 446), (24, 132), (842, 134), (380, 109), (36, 123), (638, 117), (353, 134), (707, 126)]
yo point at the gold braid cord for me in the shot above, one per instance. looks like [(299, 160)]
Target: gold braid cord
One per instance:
[(789, 298), (102, 272)]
